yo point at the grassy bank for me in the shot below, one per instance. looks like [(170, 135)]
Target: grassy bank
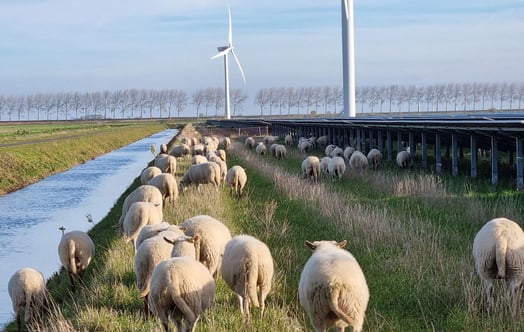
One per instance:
[(411, 233), (32, 152)]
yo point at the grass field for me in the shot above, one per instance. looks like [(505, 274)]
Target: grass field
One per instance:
[(410, 231)]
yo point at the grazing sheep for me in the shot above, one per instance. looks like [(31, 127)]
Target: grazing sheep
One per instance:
[(139, 215), (167, 185), (358, 161), (498, 250), (323, 141), (143, 193), (186, 140), (181, 150), (348, 152), (223, 167), (336, 168), (250, 143), (221, 154), (213, 237), (313, 141), (150, 252), (403, 159), (163, 148), (149, 173), (374, 158), (261, 149), (198, 159), (166, 163), (279, 151), (198, 149), (149, 231), (225, 143), (268, 140), (236, 179), (288, 140), (337, 152), (329, 149), (324, 162), (201, 174), (183, 245), (75, 250), (311, 168), (305, 147), (247, 268), (332, 288), (181, 288), (28, 293)]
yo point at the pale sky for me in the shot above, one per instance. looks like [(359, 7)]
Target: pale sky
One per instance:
[(66, 45)]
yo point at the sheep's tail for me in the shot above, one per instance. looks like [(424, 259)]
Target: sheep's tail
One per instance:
[(500, 256), (250, 290), (71, 251), (339, 312)]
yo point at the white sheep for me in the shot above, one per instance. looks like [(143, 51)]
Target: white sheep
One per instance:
[(305, 147), (181, 150), (328, 149), (225, 142), (221, 154), (498, 250), (28, 293), (186, 140), (261, 148), (163, 148), (198, 159), (148, 173), (149, 231), (201, 174), (374, 158), (166, 163), (167, 184), (336, 168), (139, 215), (288, 140), (223, 167), (183, 245), (76, 250), (198, 149), (213, 237), (268, 140), (332, 288), (337, 152), (324, 162), (323, 140), (250, 142), (247, 268), (311, 168), (279, 151), (348, 151), (403, 159), (143, 193), (236, 179), (183, 286), (358, 161)]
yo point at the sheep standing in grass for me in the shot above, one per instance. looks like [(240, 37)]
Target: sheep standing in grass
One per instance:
[(201, 174), (403, 159), (76, 250), (311, 168), (166, 163), (143, 193), (324, 162), (181, 288), (167, 185), (336, 168), (163, 148), (261, 149), (332, 289), (213, 237), (139, 215), (358, 161), (288, 140), (250, 143), (221, 154), (180, 150), (374, 158), (305, 147), (28, 293), (148, 231), (348, 151), (279, 151), (247, 268), (322, 141), (236, 179), (498, 250), (149, 173), (328, 149), (337, 152)]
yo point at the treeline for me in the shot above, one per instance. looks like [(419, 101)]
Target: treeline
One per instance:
[(142, 103)]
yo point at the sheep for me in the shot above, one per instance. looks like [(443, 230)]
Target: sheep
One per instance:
[(186, 140), (403, 159), (139, 215), (268, 140), (336, 168), (288, 140), (143, 193), (181, 150), (163, 148), (198, 159), (247, 268), (279, 151), (150, 252), (225, 143), (348, 151), (337, 152), (332, 287), (148, 173), (374, 158), (358, 161), (221, 154), (250, 143), (313, 141), (498, 250), (198, 149), (311, 168), (261, 149), (183, 245), (213, 237), (201, 174), (328, 149), (223, 167), (167, 185), (149, 231), (236, 179), (75, 250), (323, 140), (166, 163), (28, 293), (324, 162), (181, 288), (305, 147)]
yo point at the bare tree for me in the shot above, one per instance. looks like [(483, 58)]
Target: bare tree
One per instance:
[(218, 99), (261, 99), (181, 101), (337, 98), (198, 98), (290, 98), (237, 100)]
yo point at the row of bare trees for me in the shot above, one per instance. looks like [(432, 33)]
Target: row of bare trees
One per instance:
[(141, 103)]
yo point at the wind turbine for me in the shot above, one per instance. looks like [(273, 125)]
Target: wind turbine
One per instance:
[(348, 58), (224, 51)]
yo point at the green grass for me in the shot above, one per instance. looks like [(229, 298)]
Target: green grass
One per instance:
[(411, 233)]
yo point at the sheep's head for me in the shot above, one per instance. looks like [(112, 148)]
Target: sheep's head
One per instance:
[(314, 245)]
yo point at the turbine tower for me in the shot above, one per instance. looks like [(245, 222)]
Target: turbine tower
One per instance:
[(224, 51), (348, 58)]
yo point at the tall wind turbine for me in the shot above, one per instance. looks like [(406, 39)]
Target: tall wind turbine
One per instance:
[(224, 51), (348, 58)]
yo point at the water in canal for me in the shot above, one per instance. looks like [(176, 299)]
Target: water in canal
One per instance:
[(30, 217)]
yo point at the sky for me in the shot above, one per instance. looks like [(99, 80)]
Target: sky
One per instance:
[(49, 46)]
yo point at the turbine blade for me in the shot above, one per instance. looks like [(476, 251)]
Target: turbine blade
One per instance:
[(346, 9), (221, 53), (230, 35), (239, 66)]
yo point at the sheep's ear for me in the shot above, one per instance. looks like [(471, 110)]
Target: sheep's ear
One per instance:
[(182, 228), (193, 239), (169, 240), (310, 245), (342, 244)]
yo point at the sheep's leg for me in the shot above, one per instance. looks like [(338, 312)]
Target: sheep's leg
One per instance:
[(489, 293), (241, 302)]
